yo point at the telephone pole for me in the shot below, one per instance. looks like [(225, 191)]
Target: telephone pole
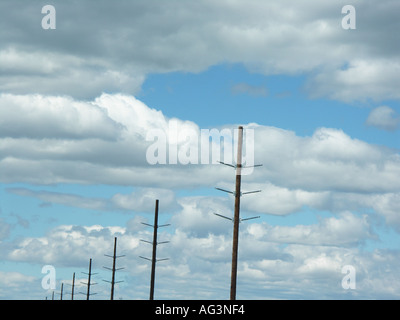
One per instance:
[(114, 257), (73, 286), (236, 215), (236, 219), (88, 294), (61, 292), (154, 254)]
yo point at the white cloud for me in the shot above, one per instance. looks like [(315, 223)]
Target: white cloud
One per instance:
[(16, 284), (297, 270), (41, 117), (345, 230), (197, 215), (280, 200), (384, 117), (360, 80), (68, 245), (297, 171), (136, 39), (143, 200), (328, 160)]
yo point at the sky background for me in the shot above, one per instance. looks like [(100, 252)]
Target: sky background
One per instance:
[(77, 102)]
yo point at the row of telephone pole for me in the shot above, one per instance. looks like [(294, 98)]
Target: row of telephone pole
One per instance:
[(235, 241), (89, 282), (113, 269)]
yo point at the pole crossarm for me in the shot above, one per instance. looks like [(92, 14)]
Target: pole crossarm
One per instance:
[(245, 219), (157, 260), (240, 193), (222, 216), (160, 226), (231, 219), (241, 166), (150, 242), (145, 258), (114, 281), (111, 269), (249, 192), (107, 255)]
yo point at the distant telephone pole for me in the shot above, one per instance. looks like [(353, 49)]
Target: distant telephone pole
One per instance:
[(73, 286), (61, 291), (89, 283), (154, 255), (113, 269)]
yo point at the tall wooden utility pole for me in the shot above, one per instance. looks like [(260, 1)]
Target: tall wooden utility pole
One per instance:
[(114, 257), (154, 254), (236, 219)]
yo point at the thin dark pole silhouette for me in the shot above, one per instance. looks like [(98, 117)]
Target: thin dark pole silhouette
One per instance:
[(113, 269), (61, 293), (89, 283), (154, 254), (73, 286), (236, 219), (89, 276)]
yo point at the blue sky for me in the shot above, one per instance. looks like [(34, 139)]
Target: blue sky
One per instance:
[(74, 121), (281, 101)]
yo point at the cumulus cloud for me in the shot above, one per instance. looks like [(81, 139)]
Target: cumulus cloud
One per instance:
[(143, 200), (91, 137), (69, 245), (297, 171), (296, 270), (346, 229), (73, 148), (384, 117), (41, 117), (197, 215), (16, 283), (285, 261), (280, 200), (360, 79), (328, 160), (112, 47)]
